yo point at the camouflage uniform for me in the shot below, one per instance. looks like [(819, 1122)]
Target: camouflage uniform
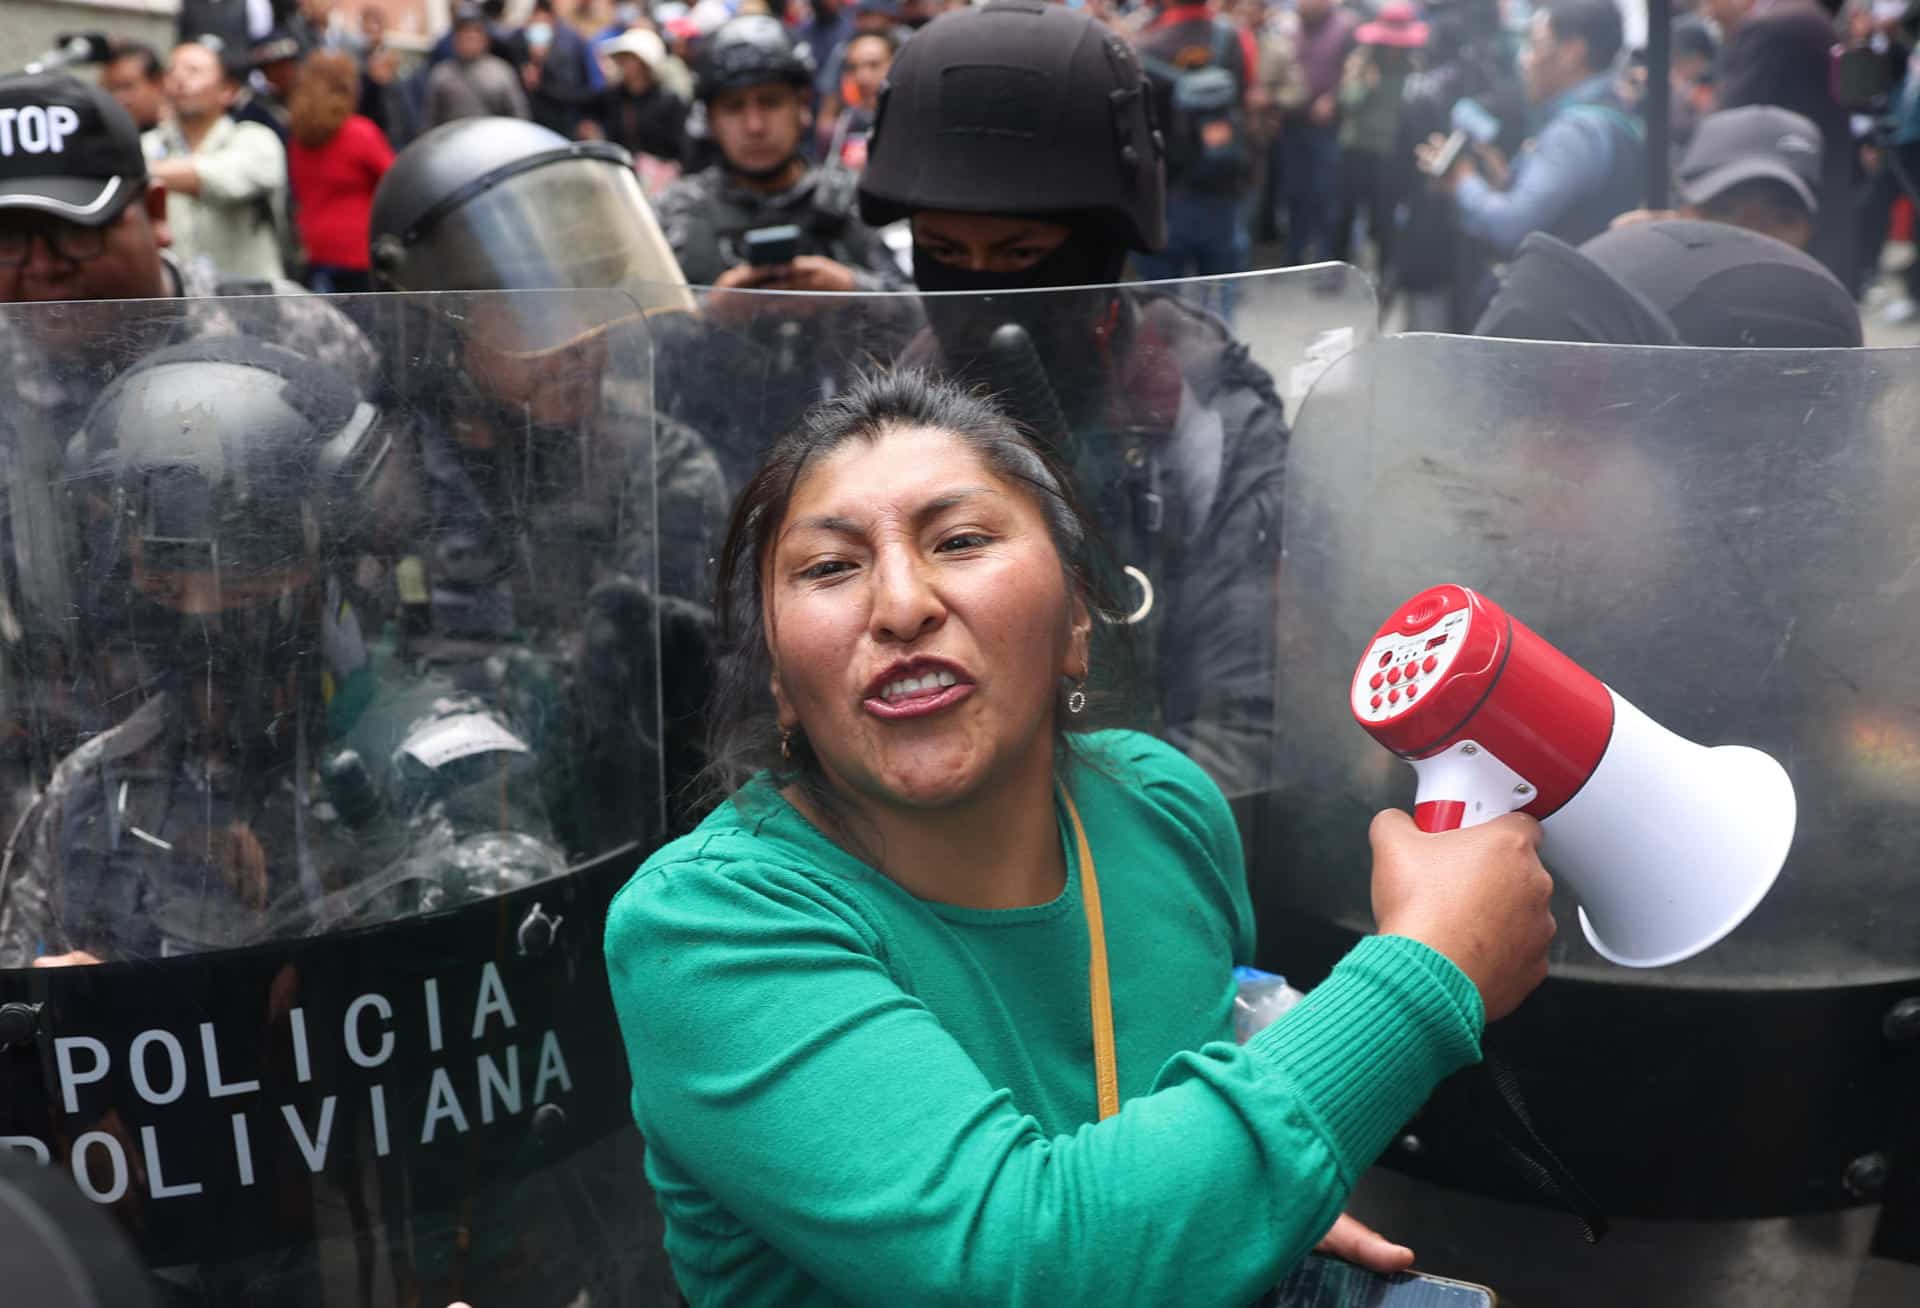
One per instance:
[(537, 572), (58, 382), (144, 846)]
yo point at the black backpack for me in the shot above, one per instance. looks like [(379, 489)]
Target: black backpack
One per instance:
[(1207, 145)]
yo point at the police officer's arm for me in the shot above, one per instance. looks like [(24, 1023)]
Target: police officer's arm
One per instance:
[(684, 219)]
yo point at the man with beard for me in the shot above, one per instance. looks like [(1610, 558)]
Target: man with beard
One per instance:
[(223, 483), (755, 86), (1018, 140)]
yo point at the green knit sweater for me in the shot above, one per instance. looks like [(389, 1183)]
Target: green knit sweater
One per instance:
[(851, 1095)]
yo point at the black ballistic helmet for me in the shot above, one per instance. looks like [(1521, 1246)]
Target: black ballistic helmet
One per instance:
[(1552, 292), (749, 51), (1019, 107), (1725, 286), (501, 204), (228, 454)]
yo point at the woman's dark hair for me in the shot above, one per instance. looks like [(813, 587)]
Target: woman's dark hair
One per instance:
[(743, 731)]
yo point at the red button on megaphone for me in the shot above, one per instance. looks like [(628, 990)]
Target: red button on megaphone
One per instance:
[(1667, 845)]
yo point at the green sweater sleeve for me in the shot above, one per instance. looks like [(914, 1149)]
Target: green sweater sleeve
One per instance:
[(778, 1062)]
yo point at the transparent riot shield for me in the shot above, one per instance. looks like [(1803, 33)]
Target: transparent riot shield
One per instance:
[(1168, 400), (1726, 538), (330, 646)]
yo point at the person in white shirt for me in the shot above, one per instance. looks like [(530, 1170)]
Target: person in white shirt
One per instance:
[(226, 181)]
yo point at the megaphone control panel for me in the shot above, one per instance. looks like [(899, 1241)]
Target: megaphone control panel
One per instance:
[(1492, 717), (1404, 665)]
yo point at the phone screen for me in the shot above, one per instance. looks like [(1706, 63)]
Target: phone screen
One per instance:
[(1322, 1282)]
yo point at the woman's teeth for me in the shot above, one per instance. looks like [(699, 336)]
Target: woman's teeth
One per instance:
[(914, 685)]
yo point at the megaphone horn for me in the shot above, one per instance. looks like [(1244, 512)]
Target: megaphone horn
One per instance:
[(1666, 845)]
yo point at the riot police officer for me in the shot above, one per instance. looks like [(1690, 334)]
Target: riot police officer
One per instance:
[(82, 232), (563, 510), (276, 776), (1018, 139), (724, 222)]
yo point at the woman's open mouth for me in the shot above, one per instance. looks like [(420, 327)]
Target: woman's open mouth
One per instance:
[(916, 690)]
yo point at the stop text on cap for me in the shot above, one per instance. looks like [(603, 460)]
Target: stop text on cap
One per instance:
[(36, 129)]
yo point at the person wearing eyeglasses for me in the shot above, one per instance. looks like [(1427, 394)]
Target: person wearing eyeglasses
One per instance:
[(82, 218)]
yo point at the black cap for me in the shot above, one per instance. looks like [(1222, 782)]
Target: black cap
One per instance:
[(1753, 142), (1552, 292), (67, 148), (1724, 285)]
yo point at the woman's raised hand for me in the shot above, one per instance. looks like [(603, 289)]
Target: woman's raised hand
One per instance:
[(1479, 896)]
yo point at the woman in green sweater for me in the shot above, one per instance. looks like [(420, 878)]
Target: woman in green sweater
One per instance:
[(936, 1008)]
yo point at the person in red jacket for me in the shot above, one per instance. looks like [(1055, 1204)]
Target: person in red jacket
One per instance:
[(334, 161)]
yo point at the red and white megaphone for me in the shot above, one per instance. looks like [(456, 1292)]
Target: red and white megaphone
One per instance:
[(1667, 845)]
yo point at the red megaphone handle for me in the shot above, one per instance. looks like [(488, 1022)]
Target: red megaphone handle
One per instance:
[(1440, 814)]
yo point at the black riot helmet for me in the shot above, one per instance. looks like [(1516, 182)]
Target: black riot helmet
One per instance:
[(228, 456), (1022, 108), (749, 51), (500, 204)]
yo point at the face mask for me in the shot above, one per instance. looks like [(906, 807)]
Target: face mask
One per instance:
[(539, 34), (1062, 325)]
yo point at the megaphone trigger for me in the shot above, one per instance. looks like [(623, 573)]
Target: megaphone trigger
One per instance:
[(1666, 845), (1465, 785)]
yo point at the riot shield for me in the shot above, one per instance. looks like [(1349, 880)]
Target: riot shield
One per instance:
[(1724, 537), (1168, 400), (331, 641)]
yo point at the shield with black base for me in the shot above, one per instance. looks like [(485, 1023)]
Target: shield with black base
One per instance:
[(1725, 536), (300, 965)]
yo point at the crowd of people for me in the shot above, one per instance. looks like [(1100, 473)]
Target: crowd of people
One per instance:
[(1427, 142), (394, 582)]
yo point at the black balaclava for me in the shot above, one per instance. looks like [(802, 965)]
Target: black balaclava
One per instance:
[(1063, 326)]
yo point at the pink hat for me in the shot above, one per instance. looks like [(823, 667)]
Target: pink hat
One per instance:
[(1396, 25)]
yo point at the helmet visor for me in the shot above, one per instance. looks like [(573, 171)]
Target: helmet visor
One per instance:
[(574, 224)]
